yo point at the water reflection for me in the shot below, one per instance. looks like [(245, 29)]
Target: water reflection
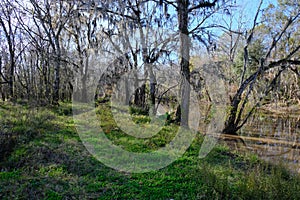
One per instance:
[(274, 137)]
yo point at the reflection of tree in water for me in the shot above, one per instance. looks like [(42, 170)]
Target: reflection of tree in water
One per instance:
[(274, 137)]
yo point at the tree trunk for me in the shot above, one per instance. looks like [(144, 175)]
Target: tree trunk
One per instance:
[(184, 62), (11, 75), (11, 47), (56, 84), (152, 90), (2, 89), (152, 97), (140, 97), (231, 123), (84, 89), (84, 72), (46, 81), (127, 92)]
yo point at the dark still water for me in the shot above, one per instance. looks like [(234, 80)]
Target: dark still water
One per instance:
[(274, 137)]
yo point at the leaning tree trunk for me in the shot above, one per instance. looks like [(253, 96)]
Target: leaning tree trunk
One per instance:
[(234, 118), (231, 126)]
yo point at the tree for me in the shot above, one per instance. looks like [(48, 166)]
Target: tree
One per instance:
[(185, 9), (52, 17), (142, 19), (9, 30), (82, 28), (270, 60)]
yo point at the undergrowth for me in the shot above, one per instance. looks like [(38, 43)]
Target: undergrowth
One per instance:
[(42, 157)]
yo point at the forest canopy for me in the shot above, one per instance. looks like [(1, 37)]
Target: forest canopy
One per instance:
[(51, 51)]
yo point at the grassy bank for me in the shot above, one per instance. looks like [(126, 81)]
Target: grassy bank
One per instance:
[(42, 157)]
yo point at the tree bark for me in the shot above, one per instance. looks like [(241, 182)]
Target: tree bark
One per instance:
[(56, 83), (140, 97), (185, 58), (10, 41)]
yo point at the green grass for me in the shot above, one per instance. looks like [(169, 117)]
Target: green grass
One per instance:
[(47, 160)]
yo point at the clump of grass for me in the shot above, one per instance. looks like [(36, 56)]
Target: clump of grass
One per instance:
[(135, 110)]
